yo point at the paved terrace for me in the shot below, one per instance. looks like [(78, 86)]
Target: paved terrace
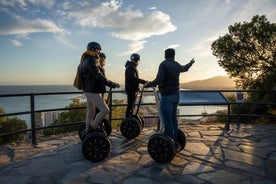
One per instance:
[(247, 156)]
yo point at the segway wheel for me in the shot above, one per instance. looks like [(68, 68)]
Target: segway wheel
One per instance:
[(181, 139), (140, 119), (106, 125), (161, 148), (81, 131), (96, 147), (130, 128)]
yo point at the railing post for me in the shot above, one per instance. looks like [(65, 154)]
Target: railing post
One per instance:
[(110, 107), (227, 125), (239, 115), (33, 119)]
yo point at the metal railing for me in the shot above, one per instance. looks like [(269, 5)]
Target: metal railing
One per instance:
[(32, 110)]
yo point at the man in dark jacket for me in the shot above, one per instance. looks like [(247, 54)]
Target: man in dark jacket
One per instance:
[(167, 80), (94, 80), (132, 81)]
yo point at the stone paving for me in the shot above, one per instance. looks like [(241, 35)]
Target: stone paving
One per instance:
[(246, 155)]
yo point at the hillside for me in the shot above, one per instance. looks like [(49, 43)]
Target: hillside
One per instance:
[(218, 82)]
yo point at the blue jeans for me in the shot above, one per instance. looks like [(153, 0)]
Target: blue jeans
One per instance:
[(168, 106)]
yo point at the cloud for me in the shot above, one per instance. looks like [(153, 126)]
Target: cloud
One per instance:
[(16, 43), (173, 46), (127, 24), (23, 4), (18, 25), (133, 47), (21, 27)]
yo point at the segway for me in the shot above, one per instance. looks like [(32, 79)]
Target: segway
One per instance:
[(162, 148), (105, 123), (131, 126), (96, 145)]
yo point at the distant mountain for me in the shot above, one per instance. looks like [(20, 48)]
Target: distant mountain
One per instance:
[(218, 82)]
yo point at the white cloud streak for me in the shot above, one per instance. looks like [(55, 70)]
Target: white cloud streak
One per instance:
[(16, 43), (128, 24)]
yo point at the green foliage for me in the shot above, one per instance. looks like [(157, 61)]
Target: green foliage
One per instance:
[(221, 119), (78, 115), (69, 116), (117, 112), (248, 53), (2, 118), (11, 125)]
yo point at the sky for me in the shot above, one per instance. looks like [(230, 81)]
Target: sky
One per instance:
[(41, 41)]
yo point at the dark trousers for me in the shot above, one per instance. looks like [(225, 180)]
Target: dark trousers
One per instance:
[(131, 97)]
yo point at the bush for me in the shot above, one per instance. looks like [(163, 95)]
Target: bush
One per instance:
[(69, 116), (11, 125)]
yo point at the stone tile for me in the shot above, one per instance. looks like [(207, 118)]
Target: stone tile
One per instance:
[(212, 133), (4, 159), (246, 167), (198, 148), (82, 178), (188, 179), (270, 165), (254, 150), (157, 172), (195, 168), (136, 180), (242, 157), (225, 177)]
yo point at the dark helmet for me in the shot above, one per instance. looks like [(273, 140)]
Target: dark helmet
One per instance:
[(93, 45), (102, 55), (135, 57)]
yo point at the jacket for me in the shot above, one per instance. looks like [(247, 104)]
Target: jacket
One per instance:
[(167, 77), (132, 79), (93, 78)]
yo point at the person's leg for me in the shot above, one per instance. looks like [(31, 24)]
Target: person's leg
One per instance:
[(175, 101), (130, 103), (103, 109), (97, 110), (90, 110), (166, 108)]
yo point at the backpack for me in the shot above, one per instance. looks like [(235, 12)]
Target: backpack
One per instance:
[(78, 81)]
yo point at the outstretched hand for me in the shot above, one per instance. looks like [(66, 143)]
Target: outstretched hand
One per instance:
[(192, 61)]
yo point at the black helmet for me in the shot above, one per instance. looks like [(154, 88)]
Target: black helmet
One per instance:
[(102, 55), (135, 57), (93, 45)]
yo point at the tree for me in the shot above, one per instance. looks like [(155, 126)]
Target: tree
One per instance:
[(248, 53)]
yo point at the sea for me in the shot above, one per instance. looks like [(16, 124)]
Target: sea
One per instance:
[(43, 102)]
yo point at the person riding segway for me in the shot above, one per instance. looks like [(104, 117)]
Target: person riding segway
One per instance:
[(167, 79), (96, 145), (133, 123)]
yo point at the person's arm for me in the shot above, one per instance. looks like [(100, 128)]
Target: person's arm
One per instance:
[(159, 77), (132, 75), (186, 67)]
